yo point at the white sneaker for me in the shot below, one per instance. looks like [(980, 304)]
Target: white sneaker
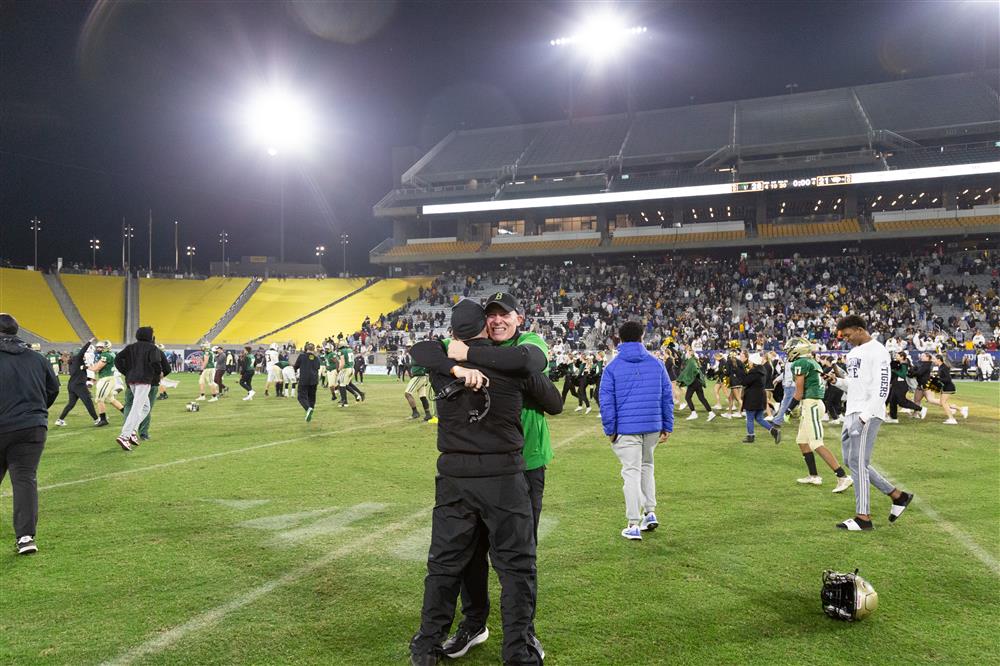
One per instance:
[(839, 420), (632, 533), (248, 397), (964, 411), (727, 415), (252, 393), (768, 418), (60, 422), (950, 421), (588, 410), (680, 406), (717, 406), (579, 409), (200, 397), (923, 413), (825, 418), (811, 480), (711, 415), (843, 484), (891, 421), (692, 416), (214, 398)]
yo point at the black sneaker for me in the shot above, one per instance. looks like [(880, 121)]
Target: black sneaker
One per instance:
[(748, 439), (424, 659), (427, 417), (414, 415), (362, 398), (26, 546), (102, 423), (463, 641), (899, 506), (144, 438), (776, 434)]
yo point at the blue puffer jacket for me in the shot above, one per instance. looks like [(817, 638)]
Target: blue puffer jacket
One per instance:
[(636, 395)]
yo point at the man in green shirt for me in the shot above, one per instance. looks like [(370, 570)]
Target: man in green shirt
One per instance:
[(417, 387), (809, 391), (503, 323), (345, 375), (104, 371)]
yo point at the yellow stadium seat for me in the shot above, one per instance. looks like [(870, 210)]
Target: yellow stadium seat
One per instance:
[(26, 296), (101, 302), (182, 311), (346, 317)]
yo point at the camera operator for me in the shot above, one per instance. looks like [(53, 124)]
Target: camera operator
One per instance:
[(480, 487)]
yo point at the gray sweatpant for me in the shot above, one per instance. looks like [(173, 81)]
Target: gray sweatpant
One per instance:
[(636, 455), (139, 410), (857, 440)]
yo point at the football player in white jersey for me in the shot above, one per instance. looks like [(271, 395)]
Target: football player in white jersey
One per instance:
[(271, 358)]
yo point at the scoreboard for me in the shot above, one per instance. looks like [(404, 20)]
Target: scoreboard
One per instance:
[(794, 183)]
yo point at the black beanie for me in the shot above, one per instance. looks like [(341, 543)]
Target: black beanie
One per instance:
[(145, 333), (468, 319)]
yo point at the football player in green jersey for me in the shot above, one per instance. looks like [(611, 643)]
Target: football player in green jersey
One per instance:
[(345, 375), (417, 387), (809, 391), (104, 371)]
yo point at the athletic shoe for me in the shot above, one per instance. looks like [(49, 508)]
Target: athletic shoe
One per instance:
[(649, 522), (251, 394), (415, 415), (899, 506), (535, 645), (124, 443), (748, 439), (214, 398), (144, 438), (692, 416), (309, 415), (891, 421), (839, 420), (343, 404), (856, 525), (950, 421), (923, 413), (776, 434), (579, 409), (727, 415), (964, 411), (433, 420), (843, 483), (200, 397), (588, 410), (362, 398), (632, 533), (26, 546), (97, 422), (717, 406), (133, 439), (768, 418), (60, 422), (100, 423), (825, 419), (247, 397), (424, 659), (711, 415), (463, 641), (679, 406), (811, 480)]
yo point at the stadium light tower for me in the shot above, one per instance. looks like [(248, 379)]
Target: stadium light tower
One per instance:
[(95, 245), (280, 122), (190, 253), (320, 251), (345, 239), (603, 37), (36, 226), (224, 241)]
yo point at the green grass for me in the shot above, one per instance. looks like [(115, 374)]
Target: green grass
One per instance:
[(334, 523)]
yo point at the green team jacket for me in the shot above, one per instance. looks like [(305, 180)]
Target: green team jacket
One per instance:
[(537, 442), (692, 369)]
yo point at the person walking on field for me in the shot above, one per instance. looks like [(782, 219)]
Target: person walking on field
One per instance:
[(142, 363)]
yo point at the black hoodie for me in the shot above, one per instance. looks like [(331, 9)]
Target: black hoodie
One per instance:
[(29, 387), (142, 362)]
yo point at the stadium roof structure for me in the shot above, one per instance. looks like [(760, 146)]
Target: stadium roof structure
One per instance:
[(880, 127)]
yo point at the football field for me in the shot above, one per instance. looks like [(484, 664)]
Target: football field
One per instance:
[(243, 535)]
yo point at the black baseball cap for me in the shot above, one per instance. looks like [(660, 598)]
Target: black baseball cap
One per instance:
[(504, 300), (468, 319)]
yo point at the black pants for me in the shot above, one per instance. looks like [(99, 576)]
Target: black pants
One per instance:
[(79, 392), (246, 380), (696, 388), (597, 391), (360, 374), (20, 452), (352, 389), (569, 386), (475, 578), (220, 372), (581, 391), (467, 510), (897, 399), (832, 401), (307, 395)]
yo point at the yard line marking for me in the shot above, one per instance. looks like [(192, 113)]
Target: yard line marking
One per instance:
[(571, 439), (168, 638), (961, 537), (183, 461)]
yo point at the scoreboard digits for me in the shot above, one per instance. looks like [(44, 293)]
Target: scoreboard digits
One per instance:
[(795, 183)]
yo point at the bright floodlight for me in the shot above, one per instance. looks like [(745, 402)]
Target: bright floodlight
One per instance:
[(602, 37), (279, 121)]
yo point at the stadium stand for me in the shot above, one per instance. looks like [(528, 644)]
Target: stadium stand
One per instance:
[(347, 316), (685, 131), (578, 143), (101, 301), (475, 153), (809, 117), (181, 311), (634, 242), (448, 247), (945, 155), (923, 104), (280, 302), (808, 229), (26, 296), (581, 244)]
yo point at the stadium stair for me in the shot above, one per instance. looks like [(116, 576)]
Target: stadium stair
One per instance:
[(101, 302), (27, 296), (68, 307), (233, 310), (313, 313)]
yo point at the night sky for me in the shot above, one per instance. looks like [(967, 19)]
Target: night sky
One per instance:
[(112, 109)]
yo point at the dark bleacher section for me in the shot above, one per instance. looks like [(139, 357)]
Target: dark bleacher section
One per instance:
[(801, 118), (579, 143), (656, 180), (548, 186), (944, 156), (690, 130), (920, 104), (478, 153)]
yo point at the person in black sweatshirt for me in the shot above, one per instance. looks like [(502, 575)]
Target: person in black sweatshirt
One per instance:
[(29, 387), (753, 379), (308, 365), (77, 386), (143, 364), (480, 486)]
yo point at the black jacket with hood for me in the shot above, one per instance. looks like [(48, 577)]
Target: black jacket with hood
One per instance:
[(28, 387), (142, 362)]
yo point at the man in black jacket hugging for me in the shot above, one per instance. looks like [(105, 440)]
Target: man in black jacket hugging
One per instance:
[(143, 364), (480, 486)]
